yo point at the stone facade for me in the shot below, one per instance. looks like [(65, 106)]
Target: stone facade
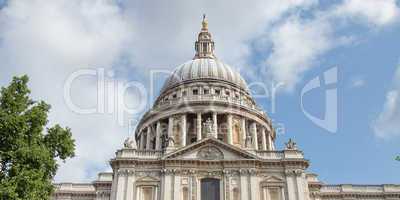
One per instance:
[(205, 138)]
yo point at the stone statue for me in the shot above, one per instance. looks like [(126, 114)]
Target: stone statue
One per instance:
[(248, 141), (170, 141), (208, 127), (291, 145), (210, 153), (130, 143)]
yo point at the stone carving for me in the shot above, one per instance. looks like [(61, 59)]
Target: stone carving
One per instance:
[(208, 127), (248, 141), (130, 143), (170, 141), (291, 145), (164, 140), (210, 153)]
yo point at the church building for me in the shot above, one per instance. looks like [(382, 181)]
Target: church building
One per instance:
[(205, 138)]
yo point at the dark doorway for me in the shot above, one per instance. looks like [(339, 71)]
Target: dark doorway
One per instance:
[(210, 189)]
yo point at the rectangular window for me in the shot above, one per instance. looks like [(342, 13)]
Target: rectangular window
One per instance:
[(272, 193), (184, 93), (147, 193), (174, 96), (217, 92), (195, 91), (206, 91)]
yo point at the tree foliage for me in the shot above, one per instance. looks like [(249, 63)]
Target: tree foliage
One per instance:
[(28, 150)]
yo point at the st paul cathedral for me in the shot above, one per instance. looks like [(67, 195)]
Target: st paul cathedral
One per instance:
[(205, 138)]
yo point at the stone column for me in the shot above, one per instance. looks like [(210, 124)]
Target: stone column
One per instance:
[(290, 183), (264, 139), (148, 138), (142, 142), (243, 127), (130, 190), (167, 187), (121, 187), (215, 124), (254, 135), (229, 123), (270, 142), (171, 127), (198, 126), (158, 136), (300, 185), (254, 186), (183, 129), (244, 185)]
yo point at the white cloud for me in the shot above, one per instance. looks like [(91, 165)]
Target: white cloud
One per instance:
[(374, 12), (296, 46), (48, 40), (169, 29), (387, 123), (298, 43), (357, 82)]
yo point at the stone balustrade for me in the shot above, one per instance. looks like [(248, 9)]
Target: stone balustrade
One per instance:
[(152, 154), (270, 154), (360, 188), (77, 187), (214, 98), (142, 154)]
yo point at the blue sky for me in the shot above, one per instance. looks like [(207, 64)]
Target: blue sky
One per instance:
[(269, 42)]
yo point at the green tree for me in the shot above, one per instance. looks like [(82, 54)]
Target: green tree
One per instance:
[(28, 150)]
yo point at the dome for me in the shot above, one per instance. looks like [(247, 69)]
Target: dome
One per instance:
[(204, 98), (204, 69)]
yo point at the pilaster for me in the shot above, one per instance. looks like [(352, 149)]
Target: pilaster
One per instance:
[(244, 134), (183, 129), (198, 126), (148, 138), (264, 139), (229, 122), (215, 125), (158, 136), (254, 135)]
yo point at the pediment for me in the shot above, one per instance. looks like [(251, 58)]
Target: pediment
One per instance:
[(148, 179), (210, 149), (273, 179)]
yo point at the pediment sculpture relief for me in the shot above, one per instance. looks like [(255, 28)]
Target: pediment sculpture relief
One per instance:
[(210, 153)]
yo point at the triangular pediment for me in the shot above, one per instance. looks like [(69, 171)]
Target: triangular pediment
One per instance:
[(147, 179), (273, 179), (210, 149)]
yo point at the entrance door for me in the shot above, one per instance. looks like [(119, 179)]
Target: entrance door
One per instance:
[(210, 189)]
